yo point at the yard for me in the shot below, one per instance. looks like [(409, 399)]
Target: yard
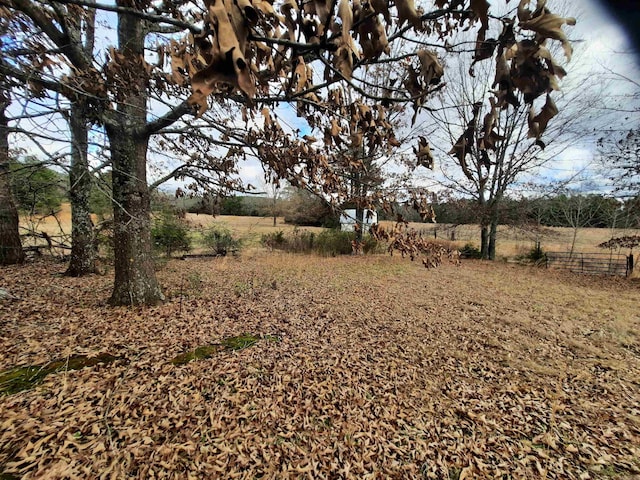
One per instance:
[(354, 367)]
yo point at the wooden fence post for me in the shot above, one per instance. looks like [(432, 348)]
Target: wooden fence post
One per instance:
[(630, 264)]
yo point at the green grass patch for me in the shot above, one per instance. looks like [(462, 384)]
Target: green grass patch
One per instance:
[(238, 342), (199, 353), (18, 379)]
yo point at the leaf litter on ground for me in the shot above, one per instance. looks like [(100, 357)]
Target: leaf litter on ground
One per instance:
[(383, 370)]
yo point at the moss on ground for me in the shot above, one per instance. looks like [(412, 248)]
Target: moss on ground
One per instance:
[(18, 379), (199, 353), (238, 342)]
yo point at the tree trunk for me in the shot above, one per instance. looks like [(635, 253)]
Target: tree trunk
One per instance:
[(493, 233), (484, 241), (135, 278), (83, 248), (359, 230), (10, 244), (493, 220), (275, 209)]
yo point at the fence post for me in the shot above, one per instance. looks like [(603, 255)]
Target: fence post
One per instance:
[(630, 264)]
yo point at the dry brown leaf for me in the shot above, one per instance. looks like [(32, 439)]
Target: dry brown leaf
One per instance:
[(226, 61), (430, 67), (538, 123), (549, 25), (423, 153), (407, 12)]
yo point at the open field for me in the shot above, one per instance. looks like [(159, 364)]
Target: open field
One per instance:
[(511, 242), (366, 367), (249, 229)]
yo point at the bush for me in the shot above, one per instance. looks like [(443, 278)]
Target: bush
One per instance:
[(273, 240), (219, 240), (371, 246), (328, 243), (334, 242), (170, 234), (535, 255), (298, 241), (470, 251)]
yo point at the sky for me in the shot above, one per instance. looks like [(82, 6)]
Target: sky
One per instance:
[(602, 46)]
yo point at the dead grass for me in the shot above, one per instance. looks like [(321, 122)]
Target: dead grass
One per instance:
[(382, 369), (247, 229), (513, 242)]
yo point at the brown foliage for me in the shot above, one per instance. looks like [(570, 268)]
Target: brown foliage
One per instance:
[(630, 242)]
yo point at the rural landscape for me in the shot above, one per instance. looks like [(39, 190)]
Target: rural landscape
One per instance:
[(319, 239)]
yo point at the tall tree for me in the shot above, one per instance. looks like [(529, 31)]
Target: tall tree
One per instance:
[(496, 129), (35, 60), (81, 31), (10, 244)]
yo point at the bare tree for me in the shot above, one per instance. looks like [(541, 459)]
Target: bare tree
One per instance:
[(497, 136), (620, 152)]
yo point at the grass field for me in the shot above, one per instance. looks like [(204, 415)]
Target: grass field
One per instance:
[(511, 241), (249, 229), (362, 367)]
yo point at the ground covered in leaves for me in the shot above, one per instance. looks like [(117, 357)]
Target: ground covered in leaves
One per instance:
[(369, 367)]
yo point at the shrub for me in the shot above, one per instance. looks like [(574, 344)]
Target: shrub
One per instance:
[(535, 255), (273, 240), (334, 242), (220, 241), (170, 234), (328, 243), (470, 251), (371, 246)]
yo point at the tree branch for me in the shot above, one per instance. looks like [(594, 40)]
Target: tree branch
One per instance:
[(136, 13), (167, 119)]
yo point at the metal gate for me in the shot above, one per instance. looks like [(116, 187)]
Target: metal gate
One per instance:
[(591, 263)]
